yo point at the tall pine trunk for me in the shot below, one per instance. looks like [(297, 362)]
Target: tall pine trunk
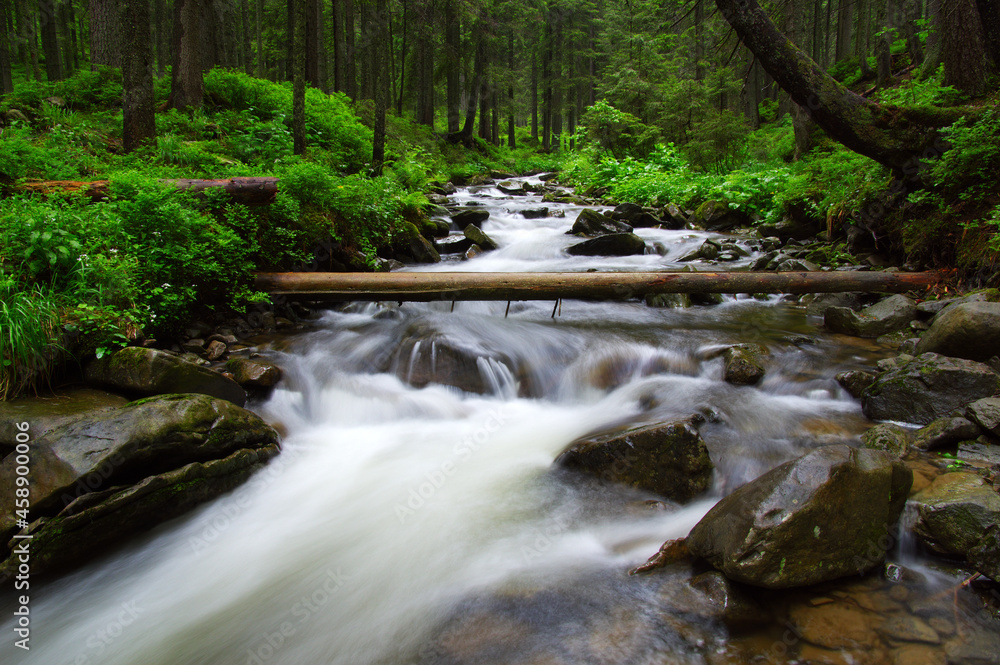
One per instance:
[(139, 123), (299, 42), (187, 87), (452, 57)]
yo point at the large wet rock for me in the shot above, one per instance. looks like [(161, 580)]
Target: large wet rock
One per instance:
[(410, 246), (986, 414), (139, 372), (254, 373), (718, 216), (955, 512), (919, 390), (825, 515), (884, 317), (744, 364), (670, 459), (476, 235), (108, 475), (635, 215), (592, 223), (964, 330), (475, 216), (614, 244), (46, 412), (946, 431)]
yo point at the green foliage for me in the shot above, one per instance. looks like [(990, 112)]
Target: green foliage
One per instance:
[(29, 324), (22, 155), (969, 168), (929, 92), (620, 133), (718, 142)]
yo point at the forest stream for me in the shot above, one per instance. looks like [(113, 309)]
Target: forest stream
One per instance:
[(410, 521)]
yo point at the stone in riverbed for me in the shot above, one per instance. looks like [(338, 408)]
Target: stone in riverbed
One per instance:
[(254, 373), (470, 216), (919, 390), (889, 315), (144, 372), (615, 244), (822, 516), (955, 512), (670, 459), (943, 432), (888, 437), (592, 224), (986, 414), (535, 213), (94, 479), (965, 330), (855, 382), (476, 235), (743, 364)]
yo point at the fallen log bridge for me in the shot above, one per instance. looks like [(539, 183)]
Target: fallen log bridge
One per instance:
[(428, 286)]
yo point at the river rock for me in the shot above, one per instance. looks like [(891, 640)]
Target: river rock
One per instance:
[(668, 300), (945, 431), (822, 516), (964, 330), (108, 475), (410, 246), (142, 372), (476, 235), (670, 459), (512, 187), (743, 364), (535, 213), (468, 216), (855, 382), (592, 223), (46, 412), (985, 555), (889, 315), (888, 437), (673, 218), (986, 414), (254, 373), (955, 512), (718, 216), (635, 215), (927, 387), (426, 356), (615, 244), (454, 245)]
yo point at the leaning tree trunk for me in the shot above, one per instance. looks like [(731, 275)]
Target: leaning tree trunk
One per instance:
[(896, 137)]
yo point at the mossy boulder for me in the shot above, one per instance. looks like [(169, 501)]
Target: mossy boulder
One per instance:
[(955, 513), (104, 462), (825, 515), (944, 431), (964, 330), (718, 216), (669, 459), (254, 373), (888, 437), (614, 244), (410, 246), (743, 364), (884, 317), (929, 386), (591, 223), (139, 372), (477, 237)]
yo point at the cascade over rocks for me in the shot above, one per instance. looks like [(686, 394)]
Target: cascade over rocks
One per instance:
[(468, 216), (113, 473), (670, 459), (140, 372), (919, 390), (476, 235), (822, 516)]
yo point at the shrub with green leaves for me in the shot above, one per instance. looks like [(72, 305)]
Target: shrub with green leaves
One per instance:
[(620, 133)]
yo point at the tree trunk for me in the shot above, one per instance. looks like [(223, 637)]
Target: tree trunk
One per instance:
[(6, 79), (313, 37), (465, 136), (910, 10), (429, 286), (883, 58), (932, 59), (966, 62), (105, 33), (259, 38), (27, 24), (452, 55), (50, 40), (339, 45), (299, 26), (862, 44), (187, 88), (161, 31), (351, 71), (893, 136), (381, 84), (844, 25), (534, 97), (139, 124), (248, 191), (511, 140)]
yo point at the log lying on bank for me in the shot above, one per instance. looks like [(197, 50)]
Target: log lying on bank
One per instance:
[(427, 286), (248, 191)]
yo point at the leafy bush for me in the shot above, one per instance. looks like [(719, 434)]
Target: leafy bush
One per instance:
[(620, 133)]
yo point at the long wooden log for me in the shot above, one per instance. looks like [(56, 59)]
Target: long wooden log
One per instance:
[(248, 191), (427, 286)]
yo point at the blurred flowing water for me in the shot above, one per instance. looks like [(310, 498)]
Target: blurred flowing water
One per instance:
[(395, 509)]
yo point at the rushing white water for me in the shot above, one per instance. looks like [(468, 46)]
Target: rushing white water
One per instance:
[(391, 505)]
